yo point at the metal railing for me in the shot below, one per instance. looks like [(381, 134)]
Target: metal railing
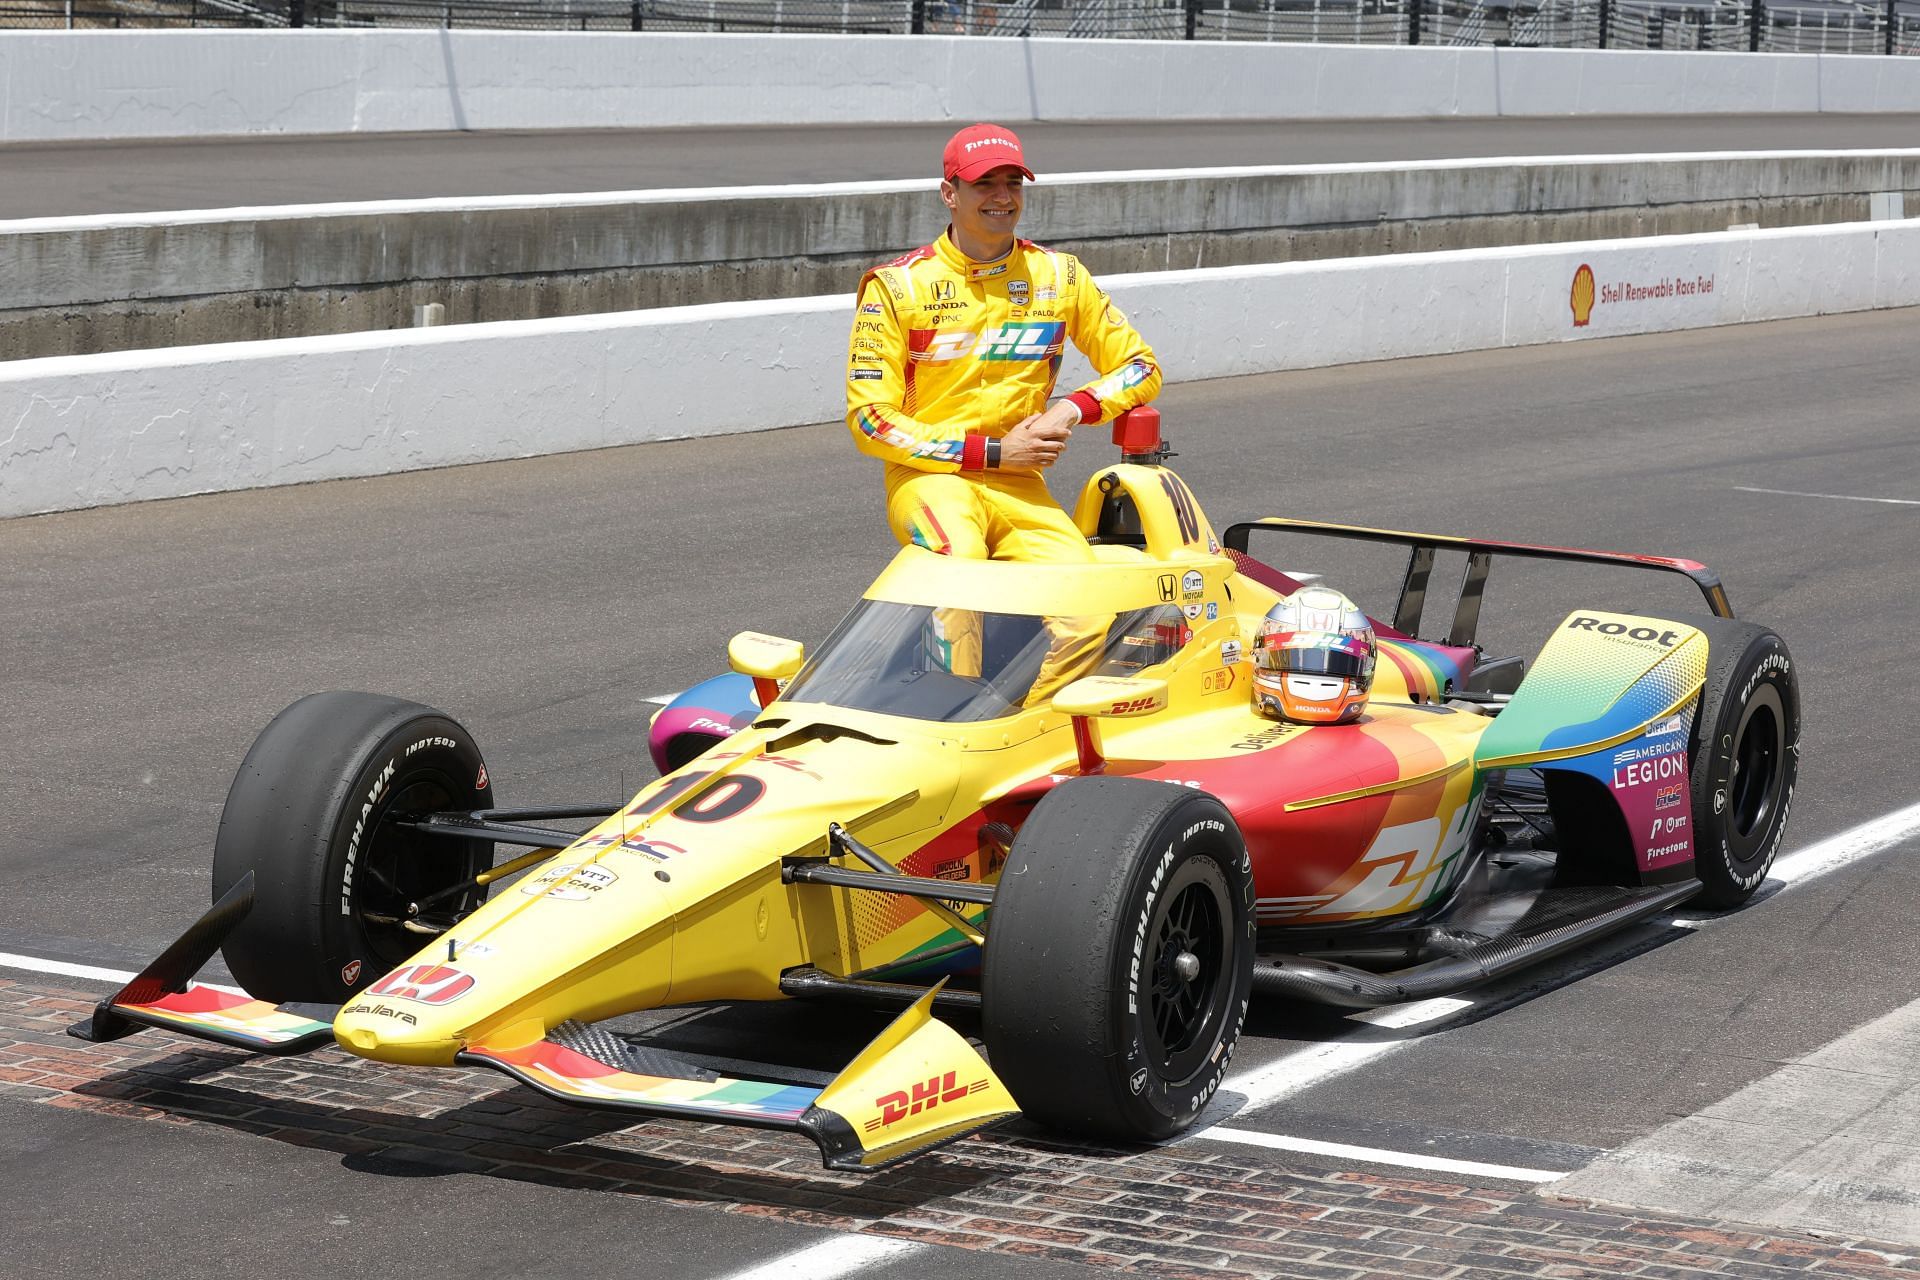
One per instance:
[(1791, 26)]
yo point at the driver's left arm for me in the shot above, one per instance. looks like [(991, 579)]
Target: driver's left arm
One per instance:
[(1129, 371)]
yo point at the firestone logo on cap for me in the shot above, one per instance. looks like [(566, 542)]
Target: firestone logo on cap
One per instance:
[(979, 148)]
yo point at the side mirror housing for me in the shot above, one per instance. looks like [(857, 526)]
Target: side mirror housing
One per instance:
[(765, 657), (1096, 698), (1111, 697), (768, 659)]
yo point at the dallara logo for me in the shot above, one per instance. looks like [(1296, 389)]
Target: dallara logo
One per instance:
[(1581, 296)]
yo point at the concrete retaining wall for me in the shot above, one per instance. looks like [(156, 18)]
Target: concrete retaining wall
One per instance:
[(87, 430), (70, 286), (133, 84)]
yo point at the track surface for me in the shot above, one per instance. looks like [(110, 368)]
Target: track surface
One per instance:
[(542, 601), (57, 179)]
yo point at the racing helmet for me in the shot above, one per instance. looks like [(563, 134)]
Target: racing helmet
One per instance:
[(1313, 659)]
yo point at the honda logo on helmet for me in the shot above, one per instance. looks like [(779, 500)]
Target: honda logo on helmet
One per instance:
[(426, 983)]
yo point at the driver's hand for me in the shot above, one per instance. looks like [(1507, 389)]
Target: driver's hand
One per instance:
[(1037, 441)]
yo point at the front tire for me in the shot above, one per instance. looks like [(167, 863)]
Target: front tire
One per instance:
[(1745, 758), (309, 814), (1119, 958)]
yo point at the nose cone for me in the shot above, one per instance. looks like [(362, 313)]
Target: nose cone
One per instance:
[(412, 1015)]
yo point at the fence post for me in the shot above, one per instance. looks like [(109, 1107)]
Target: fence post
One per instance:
[(1893, 20), (1754, 16), (1606, 21), (1193, 18), (296, 13), (1413, 21), (634, 20), (917, 20)]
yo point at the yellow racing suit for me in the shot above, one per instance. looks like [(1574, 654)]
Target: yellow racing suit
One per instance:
[(946, 356)]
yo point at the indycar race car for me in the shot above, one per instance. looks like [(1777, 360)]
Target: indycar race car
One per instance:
[(1099, 874)]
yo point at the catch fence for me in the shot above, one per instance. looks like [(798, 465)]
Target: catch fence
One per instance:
[(1799, 26)]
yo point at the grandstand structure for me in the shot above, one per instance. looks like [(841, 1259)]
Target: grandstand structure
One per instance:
[(1777, 26)]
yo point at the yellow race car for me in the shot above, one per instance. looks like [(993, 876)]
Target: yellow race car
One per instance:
[(1104, 865)]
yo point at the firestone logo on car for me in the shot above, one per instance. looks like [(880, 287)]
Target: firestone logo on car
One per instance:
[(426, 983)]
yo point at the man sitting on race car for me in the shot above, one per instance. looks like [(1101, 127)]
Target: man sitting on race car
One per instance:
[(955, 349)]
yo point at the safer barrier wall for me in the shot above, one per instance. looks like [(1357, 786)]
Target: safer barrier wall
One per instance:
[(87, 430), (134, 84), (78, 285)]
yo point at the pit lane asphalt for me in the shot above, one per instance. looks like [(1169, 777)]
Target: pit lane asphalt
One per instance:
[(78, 179), (543, 601)]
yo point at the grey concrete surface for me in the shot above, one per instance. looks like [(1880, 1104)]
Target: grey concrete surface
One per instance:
[(543, 601), (1830, 1142), (228, 279), (118, 1199), (47, 180)]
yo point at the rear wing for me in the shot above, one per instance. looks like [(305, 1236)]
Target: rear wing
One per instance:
[(1480, 553)]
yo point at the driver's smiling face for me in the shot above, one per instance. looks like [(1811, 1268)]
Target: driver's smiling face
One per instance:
[(987, 209)]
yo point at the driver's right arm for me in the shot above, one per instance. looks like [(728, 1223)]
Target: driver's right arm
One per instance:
[(876, 395)]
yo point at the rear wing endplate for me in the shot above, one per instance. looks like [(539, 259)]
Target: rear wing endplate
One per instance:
[(1479, 553)]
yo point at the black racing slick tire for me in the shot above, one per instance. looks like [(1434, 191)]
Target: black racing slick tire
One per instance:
[(1745, 758), (1119, 958), (310, 814)]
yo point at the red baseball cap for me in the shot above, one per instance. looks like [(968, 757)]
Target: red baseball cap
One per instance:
[(981, 147)]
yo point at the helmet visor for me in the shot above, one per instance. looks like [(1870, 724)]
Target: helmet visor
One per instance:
[(1316, 653), (1319, 662)]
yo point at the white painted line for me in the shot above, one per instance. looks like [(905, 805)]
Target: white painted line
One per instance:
[(1849, 846), (882, 186), (120, 977), (1411, 1015), (33, 964), (1265, 1085), (839, 1256), (1843, 497), (1374, 1155), (663, 698), (1297, 1072), (1272, 1082)]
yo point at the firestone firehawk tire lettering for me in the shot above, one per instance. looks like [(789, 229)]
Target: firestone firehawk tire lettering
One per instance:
[(1119, 958), (1745, 758), (306, 814)]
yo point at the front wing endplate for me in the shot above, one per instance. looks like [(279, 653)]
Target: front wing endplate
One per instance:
[(918, 1086)]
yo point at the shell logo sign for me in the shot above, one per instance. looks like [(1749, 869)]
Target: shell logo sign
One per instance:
[(1581, 296)]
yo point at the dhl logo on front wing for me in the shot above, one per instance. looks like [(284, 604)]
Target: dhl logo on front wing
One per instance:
[(898, 1105)]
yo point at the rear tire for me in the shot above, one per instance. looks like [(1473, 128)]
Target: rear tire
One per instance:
[(308, 815), (1119, 957), (1745, 758)]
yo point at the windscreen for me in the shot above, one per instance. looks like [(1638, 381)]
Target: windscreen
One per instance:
[(953, 665)]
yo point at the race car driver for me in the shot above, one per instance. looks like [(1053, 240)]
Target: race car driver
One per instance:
[(954, 352)]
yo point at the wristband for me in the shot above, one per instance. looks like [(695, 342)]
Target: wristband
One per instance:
[(993, 454)]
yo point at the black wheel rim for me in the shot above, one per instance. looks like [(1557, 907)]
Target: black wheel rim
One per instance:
[(401, 866), (1186, 970), (1756, 776)]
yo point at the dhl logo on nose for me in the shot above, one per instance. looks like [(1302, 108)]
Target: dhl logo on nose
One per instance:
[(1037, 340)]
